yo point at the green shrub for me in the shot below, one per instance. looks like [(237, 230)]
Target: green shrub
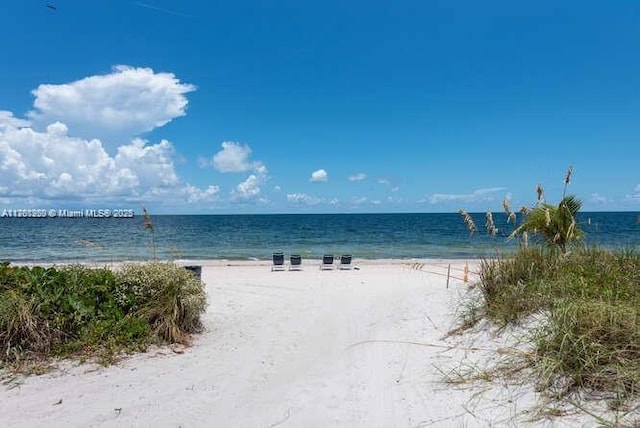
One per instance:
[(77, 310), (45, 309)]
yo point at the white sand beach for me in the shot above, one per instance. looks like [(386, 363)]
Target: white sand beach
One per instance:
[(341, 348)]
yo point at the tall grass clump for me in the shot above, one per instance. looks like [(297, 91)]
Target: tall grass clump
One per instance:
[(591, 345), (166, 296), (507, 284), (591, 299)]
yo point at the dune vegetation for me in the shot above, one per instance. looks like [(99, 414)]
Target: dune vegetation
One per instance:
[(588, 298), (79, 311)]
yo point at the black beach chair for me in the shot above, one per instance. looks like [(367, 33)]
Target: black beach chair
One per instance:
[(278, 262), (295, 262), (345, 262), (327, 262)]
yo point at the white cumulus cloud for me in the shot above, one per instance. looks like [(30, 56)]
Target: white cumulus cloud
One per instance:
[(234, 157), (319, 176), (126, 102), (52, 165), (153, 164), (248, 189)]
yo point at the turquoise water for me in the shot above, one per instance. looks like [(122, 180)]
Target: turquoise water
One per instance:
[(247, 237)]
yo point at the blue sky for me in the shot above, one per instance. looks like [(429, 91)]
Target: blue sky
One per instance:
[(327, 106)]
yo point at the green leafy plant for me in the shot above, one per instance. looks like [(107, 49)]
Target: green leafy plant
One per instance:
[(88, 312), (556, 225)]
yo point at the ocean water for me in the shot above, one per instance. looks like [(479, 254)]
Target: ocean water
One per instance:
[(256, 237)]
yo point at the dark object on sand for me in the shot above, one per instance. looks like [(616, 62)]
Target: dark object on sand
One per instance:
[(196, 270)]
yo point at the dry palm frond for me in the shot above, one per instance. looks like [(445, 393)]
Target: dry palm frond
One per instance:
[(524, 210), (491, 227), (468, 221)]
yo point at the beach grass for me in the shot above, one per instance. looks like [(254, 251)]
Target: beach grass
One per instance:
[(87, 312), (589, 343)]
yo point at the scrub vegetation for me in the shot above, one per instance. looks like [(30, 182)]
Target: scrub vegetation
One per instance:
[(95, 313), (588, 345)]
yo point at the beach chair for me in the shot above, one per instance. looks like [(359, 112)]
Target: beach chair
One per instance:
[(278, 262), (327, 262), (345, 262), (295, 262)]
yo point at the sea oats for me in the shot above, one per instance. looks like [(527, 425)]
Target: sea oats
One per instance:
[(567, 178), (147, 219), (148, 224), (511, 216), (468, 221), (491, 227), (540, 192)]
